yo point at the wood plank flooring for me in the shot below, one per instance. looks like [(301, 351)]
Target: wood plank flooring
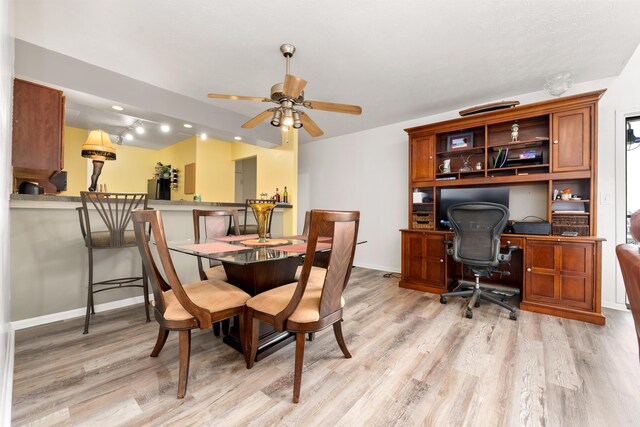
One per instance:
[(415, 362)]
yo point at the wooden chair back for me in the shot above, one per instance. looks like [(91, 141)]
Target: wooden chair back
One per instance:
[(247, 208), (153, 219), (344, 229), (629, 259), (217, 223), (114, 209)]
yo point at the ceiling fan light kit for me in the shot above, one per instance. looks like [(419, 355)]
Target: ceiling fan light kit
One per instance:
[(290, 96)]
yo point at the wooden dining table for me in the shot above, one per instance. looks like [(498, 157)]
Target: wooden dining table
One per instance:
[(254, 269)]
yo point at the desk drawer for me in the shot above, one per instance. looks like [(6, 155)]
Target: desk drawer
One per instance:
[(509, 240)]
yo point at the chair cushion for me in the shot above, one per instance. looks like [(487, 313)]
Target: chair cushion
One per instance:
[(102, 239), (275, 300), (216, 273), (212, 295)]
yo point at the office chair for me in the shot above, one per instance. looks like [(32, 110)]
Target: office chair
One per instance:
[(477, 228)]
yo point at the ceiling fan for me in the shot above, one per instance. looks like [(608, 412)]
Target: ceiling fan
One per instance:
[(290, 96)]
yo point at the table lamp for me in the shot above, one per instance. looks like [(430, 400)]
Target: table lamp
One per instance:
[(98, 147)]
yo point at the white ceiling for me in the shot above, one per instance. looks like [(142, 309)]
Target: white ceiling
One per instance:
[(399, 60)]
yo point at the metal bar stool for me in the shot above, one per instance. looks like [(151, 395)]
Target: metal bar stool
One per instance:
[(115, 211)]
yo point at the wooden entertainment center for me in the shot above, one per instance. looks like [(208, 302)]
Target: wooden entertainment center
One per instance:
[(554, 146)]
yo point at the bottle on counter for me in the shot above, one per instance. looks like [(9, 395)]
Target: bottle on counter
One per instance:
[(285, 195), (276, 196)]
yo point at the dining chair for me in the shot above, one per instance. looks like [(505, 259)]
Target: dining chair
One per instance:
[(178, 307), (114, 211), (253, 228), (216, 223), (313, 302)]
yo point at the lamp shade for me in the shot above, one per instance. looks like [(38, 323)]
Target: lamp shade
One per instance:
[(98, 146)]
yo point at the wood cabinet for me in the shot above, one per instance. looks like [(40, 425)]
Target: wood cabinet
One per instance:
[(422, 158), (552, 149), (562, 277), (38, 126), (571, 140), (424, 261)]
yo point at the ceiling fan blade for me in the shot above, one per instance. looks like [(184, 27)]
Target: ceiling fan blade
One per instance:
[(336, 108), (293, 86), (309, 125), (238, 97), (258, 119)]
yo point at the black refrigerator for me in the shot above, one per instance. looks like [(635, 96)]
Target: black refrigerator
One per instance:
[(159, 189)]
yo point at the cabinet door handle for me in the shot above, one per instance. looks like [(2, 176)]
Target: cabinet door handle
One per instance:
[(529, 269), (555, 141)]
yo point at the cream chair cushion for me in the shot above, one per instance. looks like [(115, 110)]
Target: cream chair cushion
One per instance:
[(275, 300), (212, 295), (102, 239), (216, 273)]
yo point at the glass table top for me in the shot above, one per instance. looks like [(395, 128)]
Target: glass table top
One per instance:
[(235, 252)]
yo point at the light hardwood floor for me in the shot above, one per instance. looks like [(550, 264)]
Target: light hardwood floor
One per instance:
[(415, 362)]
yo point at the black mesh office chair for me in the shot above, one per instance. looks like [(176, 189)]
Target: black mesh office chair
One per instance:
[(476, 244)]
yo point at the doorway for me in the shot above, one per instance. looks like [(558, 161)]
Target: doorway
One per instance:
[(632, 173), (245, 179)]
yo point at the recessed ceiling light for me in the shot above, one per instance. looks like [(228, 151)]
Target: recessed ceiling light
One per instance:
[(237, 138), (203, 136), (187, 125), (128, 136), (140, 129), (117, 108), (165, 127)]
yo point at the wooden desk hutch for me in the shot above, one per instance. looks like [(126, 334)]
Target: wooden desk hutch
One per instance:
[(559, 275)]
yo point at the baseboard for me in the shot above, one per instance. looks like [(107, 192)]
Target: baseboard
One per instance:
[(615, 306), (77, 312), (377, 267), (7, 381)]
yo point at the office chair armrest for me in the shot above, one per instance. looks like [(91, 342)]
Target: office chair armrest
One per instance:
[(448, 246), (507, 257)]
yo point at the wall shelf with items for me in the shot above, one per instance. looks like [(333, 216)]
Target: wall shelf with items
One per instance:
[(422, 208)]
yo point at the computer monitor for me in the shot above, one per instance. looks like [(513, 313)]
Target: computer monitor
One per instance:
[(451, 196)]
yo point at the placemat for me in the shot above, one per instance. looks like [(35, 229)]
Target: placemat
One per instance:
[(236, 238), (270, 242), (212, 248), (303, 237), (302, 247)]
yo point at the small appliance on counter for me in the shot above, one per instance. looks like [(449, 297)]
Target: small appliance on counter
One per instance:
[(159, 189), (28, 187)]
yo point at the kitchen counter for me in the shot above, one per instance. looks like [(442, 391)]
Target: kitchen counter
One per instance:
[(48, 258)]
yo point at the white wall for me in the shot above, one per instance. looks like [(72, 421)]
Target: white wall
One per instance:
[(369, 171), (6, 95)]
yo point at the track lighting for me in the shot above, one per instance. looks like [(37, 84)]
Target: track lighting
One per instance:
[(165, 127), (203, 136), (139, 128), (128, 136)]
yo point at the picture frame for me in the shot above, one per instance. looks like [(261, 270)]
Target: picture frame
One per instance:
[(459, 141)]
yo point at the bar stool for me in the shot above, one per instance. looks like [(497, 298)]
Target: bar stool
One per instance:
[(115, 211)]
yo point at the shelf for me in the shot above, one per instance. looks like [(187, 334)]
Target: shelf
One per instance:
[(451, 153), (538, 142), (571, 201), (570, 213), (508, 168), (423, 203)]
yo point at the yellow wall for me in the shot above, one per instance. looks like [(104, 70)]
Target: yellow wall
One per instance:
[(131, 169), (215, 171), (75, 165), (178, 155)]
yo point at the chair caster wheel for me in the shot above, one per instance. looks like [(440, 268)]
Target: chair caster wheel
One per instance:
[(469, 314), (443, 300), (477, 304), (513, 316)]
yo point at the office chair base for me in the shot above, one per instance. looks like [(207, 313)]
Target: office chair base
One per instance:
[(494, 294)]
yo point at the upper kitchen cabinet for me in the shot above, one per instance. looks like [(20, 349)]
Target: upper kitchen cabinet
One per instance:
[(38, 126)]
